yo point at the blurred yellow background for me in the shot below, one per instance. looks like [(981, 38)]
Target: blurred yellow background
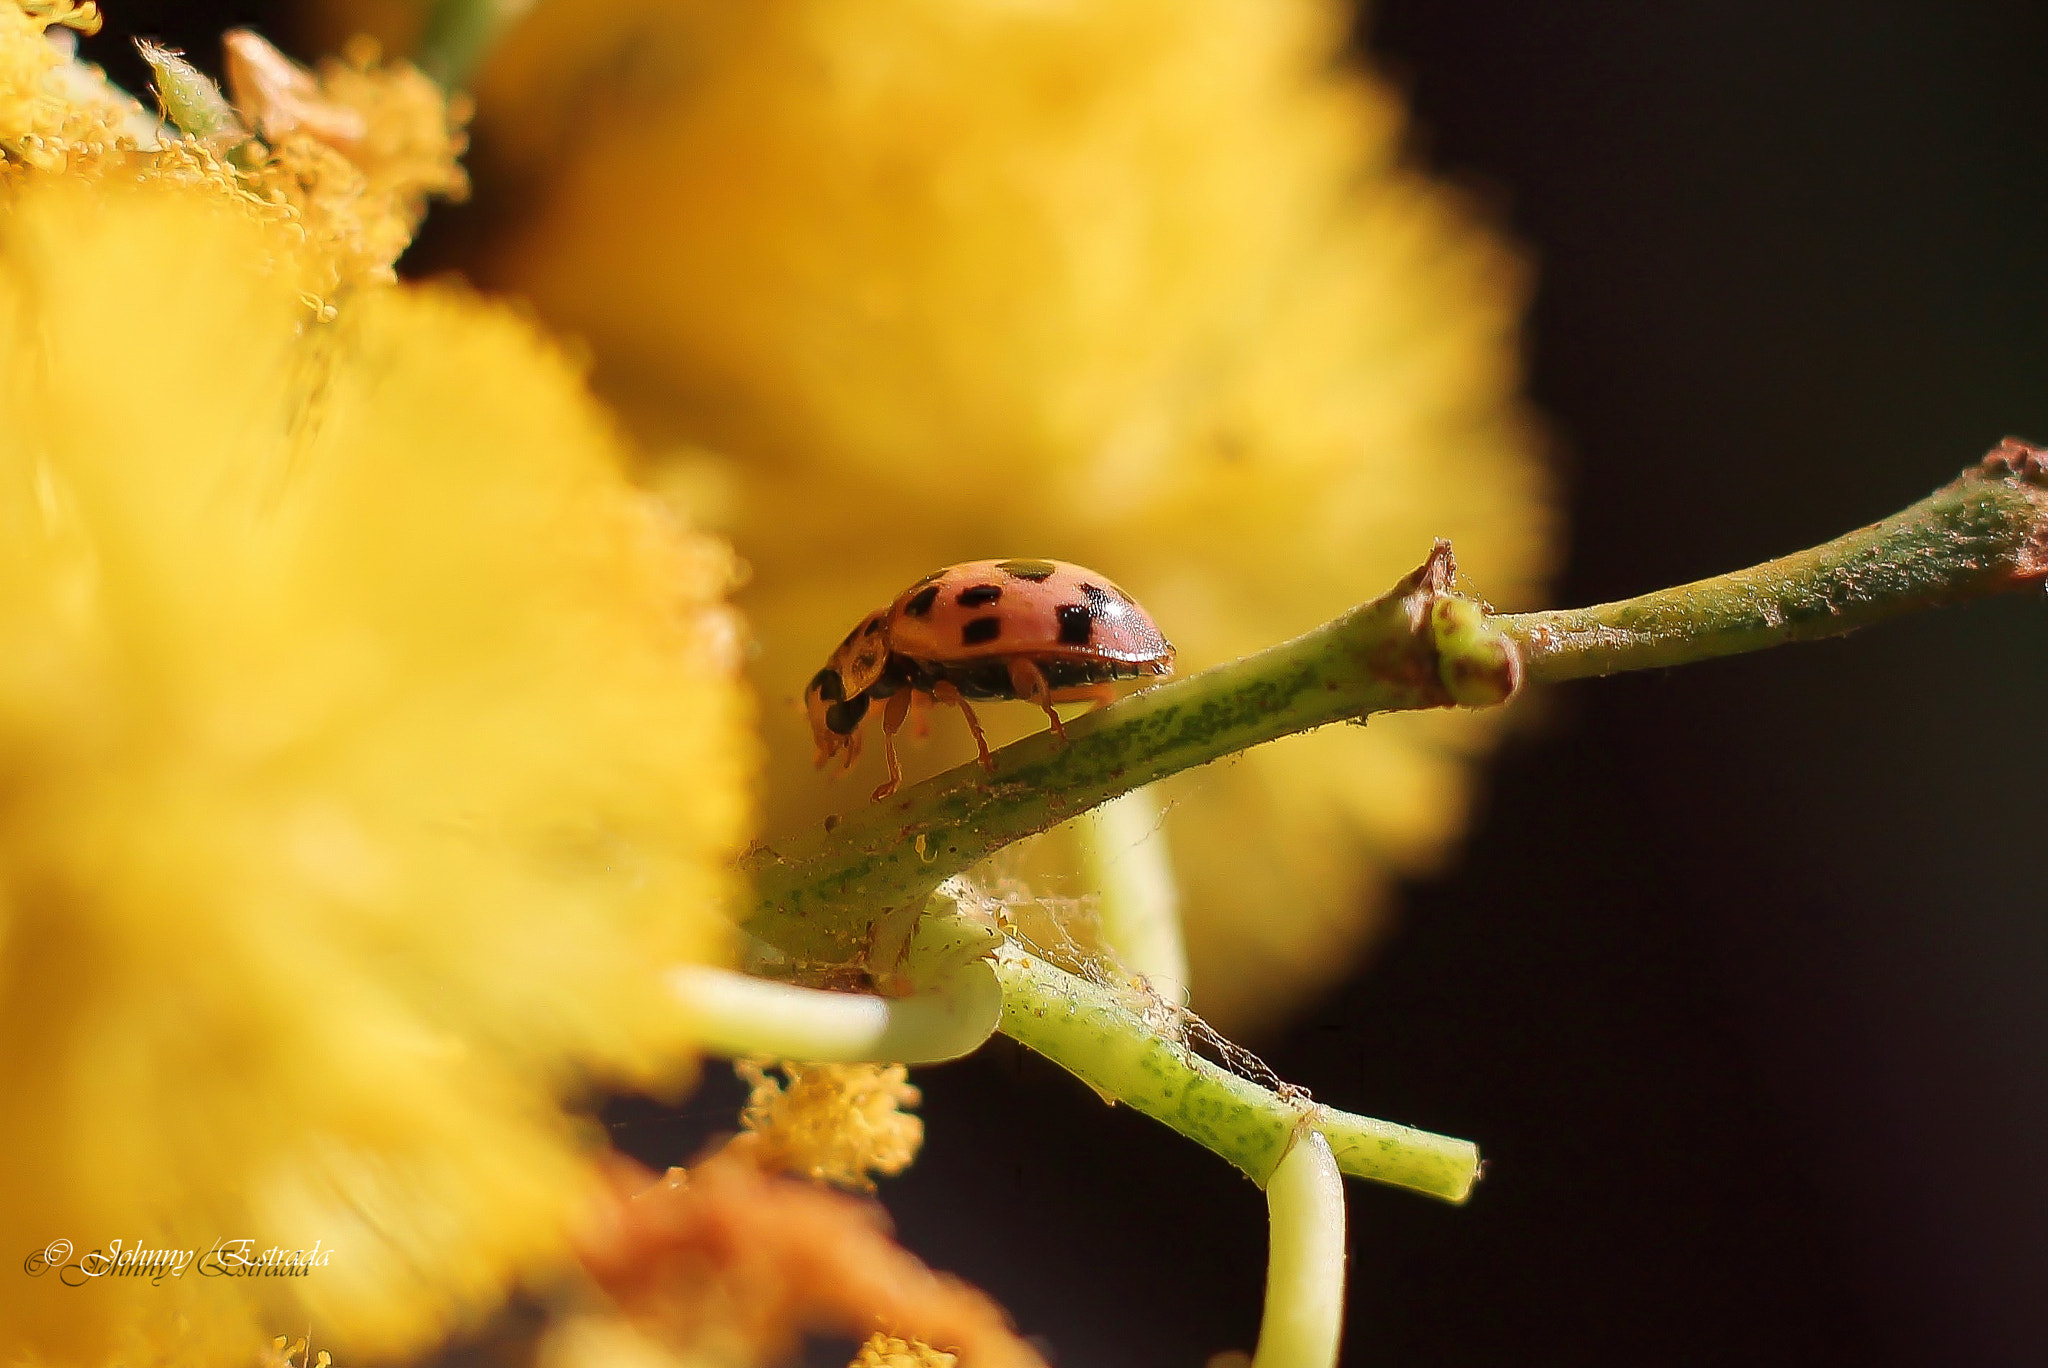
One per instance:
[(1153, 287)]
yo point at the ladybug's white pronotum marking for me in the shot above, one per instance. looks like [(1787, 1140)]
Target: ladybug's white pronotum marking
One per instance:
[(1039, 630)]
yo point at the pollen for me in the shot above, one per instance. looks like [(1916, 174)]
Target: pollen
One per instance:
[(887, 1351), (344, 158), (356, 150), (359, 147), (833, 1123)]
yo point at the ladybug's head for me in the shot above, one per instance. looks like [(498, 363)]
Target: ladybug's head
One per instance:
[(835, 718), (836, 699), (863, 655)]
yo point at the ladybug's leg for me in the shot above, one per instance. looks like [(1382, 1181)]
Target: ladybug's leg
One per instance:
[(1028, 682), (892, 721), (1101, 695), (851, 749), (921, 713), (943, 692)]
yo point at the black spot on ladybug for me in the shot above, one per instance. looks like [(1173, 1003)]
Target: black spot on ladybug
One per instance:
[(847, 640), (875, 626), (980, 596), (842, 718), (1077, 624), (981, 631), (1037, 571), (921, 602), (827, 685)]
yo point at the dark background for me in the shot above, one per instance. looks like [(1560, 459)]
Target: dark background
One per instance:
[(1740, 982)]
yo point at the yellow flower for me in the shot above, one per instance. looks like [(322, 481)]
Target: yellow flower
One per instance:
[(1145, 285), (49, 104), (887, 1351), (356, 150), (369, 743), (352, 156), (834, 1123)]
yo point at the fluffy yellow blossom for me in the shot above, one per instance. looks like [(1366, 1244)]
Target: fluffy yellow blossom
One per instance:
[(887, 1351), (1148, 285), (369, 743), (356, 149), (345, 163), (51, 106), (833, 1123)]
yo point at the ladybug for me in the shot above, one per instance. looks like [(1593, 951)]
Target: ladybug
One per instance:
[(1042, 631)]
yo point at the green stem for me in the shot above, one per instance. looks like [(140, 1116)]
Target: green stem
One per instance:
[(459, 35), (1303, 1321), (1109, 1042), (1984, 533), (944, 1004), (738, 1016), (828, 898), (1124, 857)]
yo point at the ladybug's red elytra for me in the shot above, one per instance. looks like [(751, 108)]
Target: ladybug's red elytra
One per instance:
[(1039, 630)]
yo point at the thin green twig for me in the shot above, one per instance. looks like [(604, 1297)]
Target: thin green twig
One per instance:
[(1114, 1044), (946, 1001), (1303, 1322), (739, 1015), (1983, 533), (1124, 857)]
